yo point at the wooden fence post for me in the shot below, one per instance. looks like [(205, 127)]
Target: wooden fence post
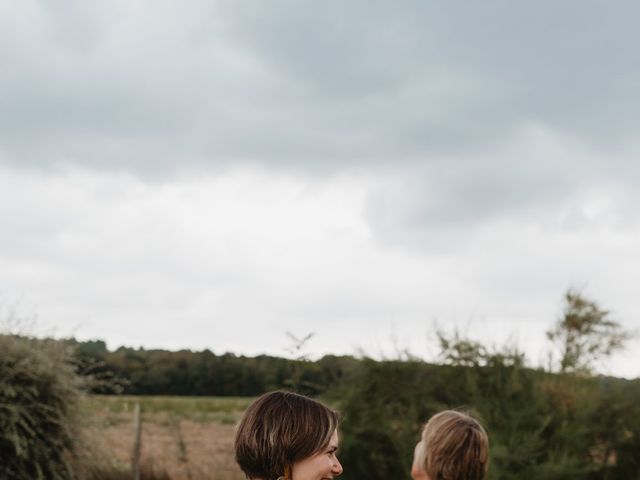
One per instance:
[(135, 458)]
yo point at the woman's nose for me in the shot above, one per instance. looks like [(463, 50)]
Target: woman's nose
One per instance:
[(337, 468)]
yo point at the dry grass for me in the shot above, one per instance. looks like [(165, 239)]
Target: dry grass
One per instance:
[(188, 438)]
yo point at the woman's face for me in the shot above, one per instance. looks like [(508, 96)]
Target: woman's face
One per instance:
[(321, 466), (416, 469)]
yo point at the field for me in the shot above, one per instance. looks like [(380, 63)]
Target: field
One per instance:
[(187, 438)]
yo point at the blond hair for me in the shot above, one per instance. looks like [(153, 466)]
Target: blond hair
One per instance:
[(454, 447)]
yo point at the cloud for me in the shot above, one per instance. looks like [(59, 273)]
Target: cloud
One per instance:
[(539, 178), (217, 173), (155, 88), (232, 261)]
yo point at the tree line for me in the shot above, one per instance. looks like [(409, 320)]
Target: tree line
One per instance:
[(560, 422), (584, 335), (161, 372)]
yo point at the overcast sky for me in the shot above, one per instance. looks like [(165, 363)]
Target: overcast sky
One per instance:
[(213, 174)]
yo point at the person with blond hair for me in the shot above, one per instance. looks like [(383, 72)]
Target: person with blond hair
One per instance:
[(454, 446)]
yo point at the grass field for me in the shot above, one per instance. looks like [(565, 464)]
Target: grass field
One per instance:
[(187, 438)]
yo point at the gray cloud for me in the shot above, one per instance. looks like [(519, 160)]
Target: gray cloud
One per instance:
[(473, 112), (381, 160), (156, 87)]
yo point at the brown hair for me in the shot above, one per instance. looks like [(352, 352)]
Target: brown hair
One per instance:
[(454, 447), (281, 428)]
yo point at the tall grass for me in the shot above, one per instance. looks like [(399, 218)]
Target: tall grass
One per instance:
[(41, 403), (224, 410), (39, 397)]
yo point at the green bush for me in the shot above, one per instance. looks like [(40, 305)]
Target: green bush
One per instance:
[(39, 398), (540, 425)]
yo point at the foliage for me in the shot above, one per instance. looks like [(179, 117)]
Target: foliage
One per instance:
[(564, 425), (382, 417), (161, 372), (39, 396), (541, 425), (460, 351), (585, 334)]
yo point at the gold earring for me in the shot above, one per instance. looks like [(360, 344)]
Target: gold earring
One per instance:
[(287, 474)]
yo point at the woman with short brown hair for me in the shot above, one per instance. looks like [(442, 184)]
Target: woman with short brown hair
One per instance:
[(283, 435)]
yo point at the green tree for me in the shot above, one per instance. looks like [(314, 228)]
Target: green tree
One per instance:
[(584, 335)]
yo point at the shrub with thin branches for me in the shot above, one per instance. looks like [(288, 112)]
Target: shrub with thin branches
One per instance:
[(39, 399)]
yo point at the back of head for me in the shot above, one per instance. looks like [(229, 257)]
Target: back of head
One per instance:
[(454, 447), (281, 428)]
